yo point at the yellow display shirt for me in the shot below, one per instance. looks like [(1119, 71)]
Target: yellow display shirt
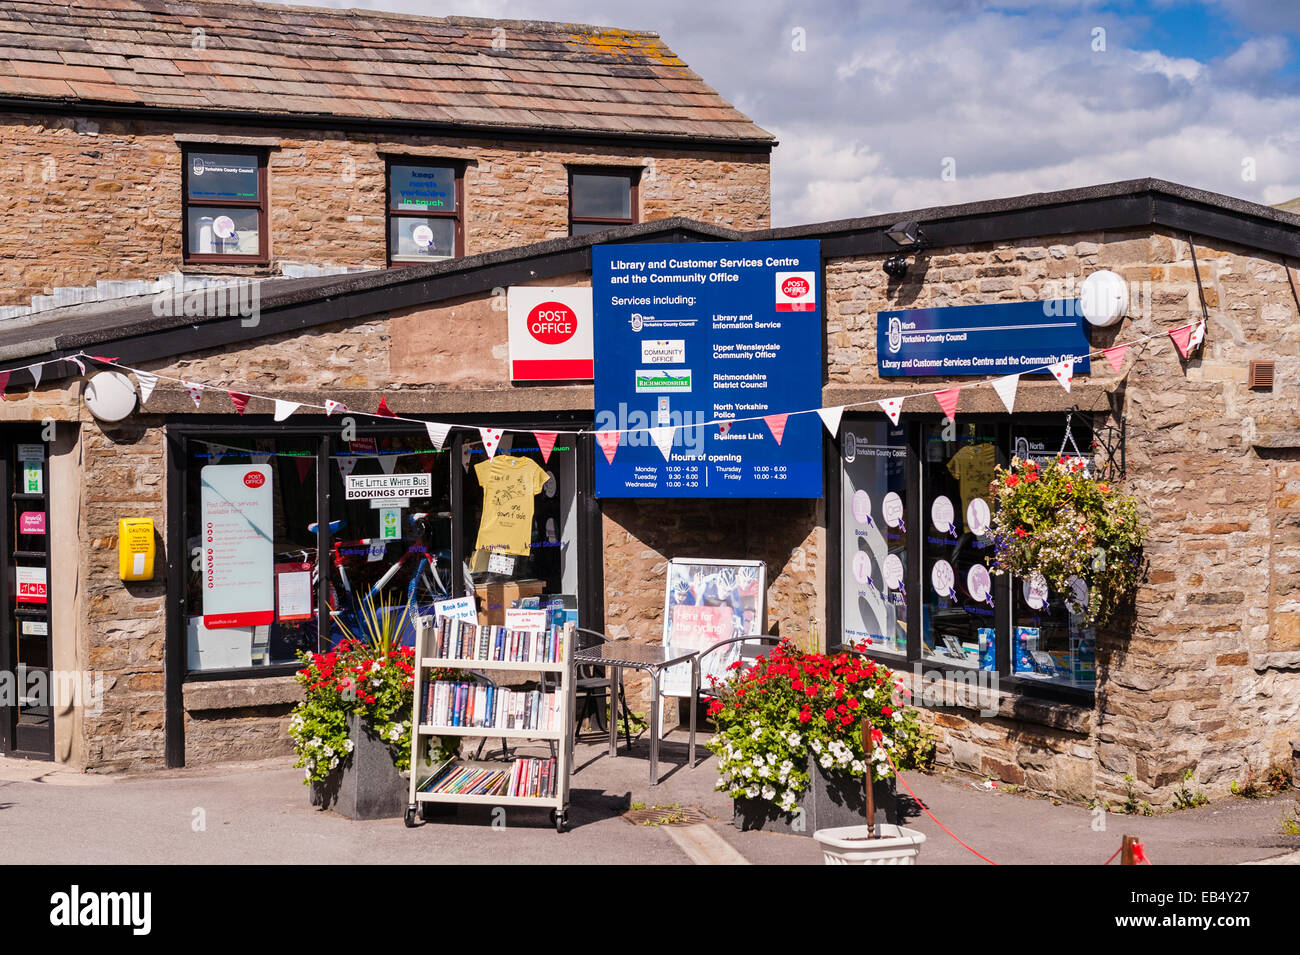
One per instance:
[(509, 485)]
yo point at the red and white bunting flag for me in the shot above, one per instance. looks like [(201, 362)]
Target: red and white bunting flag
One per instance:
[(4, 383), (1182, 338), (81, 368), (195, 390), (831, 418), (663, 439), (387, 462), (35, 372), (1115, 356), (1006, 389), (724, 427), (491, 438), (1063, 371), (284, 408), (1198, 336), (892, 407), (304, 467), (608, 441), (546, 443), (948, 402), (347, 463), (776, 424), (239, 400), (333, 406), (147, 382), (437, 433), (383, 411)]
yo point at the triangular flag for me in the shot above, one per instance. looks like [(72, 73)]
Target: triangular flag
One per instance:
[(147, 383), (333, 406), (240, 401), (831, 418), (383, 411), (724, 427), (1115, 356), (387, 462), (608, 441), (347, 463), (195, 390), (4, 383), (1198, 336), (948, 402), (776, 424), (546, 443), (304, 466), (663, 439), (491, 438), (893, 407), (437, 433), (35, 372), (284, 408), (77, 361), (216, 452), (1006, 389), (261, 457), (1063, 371), (1182, 338)]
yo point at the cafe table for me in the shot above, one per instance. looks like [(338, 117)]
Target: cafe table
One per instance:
[(652, 659)]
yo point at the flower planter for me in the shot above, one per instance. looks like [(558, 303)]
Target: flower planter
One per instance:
[(849, 845), (368, 786), (831, 800)]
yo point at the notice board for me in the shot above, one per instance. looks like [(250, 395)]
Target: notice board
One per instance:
[(708, 601), (238, 545), (695, 333)]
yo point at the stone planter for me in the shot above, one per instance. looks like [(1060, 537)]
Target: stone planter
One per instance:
[(832, 800), (368, 786), (850, 845)]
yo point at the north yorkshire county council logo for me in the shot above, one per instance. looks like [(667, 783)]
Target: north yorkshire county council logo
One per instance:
[(197, 166), (850, 445), (635, 321), (895, 335)]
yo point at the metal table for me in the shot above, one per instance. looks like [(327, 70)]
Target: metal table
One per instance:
[(651, 659)]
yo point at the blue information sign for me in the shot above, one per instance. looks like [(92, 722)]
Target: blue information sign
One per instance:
[(705, 332), (1003, 339)]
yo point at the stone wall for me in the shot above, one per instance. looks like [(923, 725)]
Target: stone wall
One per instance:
[(85, 200)]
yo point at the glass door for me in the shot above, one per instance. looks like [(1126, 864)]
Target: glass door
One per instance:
[(26, 650)]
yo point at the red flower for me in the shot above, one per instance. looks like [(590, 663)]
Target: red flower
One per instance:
[(1012, 480), (1031, 477), (1020, 532), (886, 712), (804, 716)]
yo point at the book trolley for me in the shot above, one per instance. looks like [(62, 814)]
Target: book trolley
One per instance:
[(474, 711)]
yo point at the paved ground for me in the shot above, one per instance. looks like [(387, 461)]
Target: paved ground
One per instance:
[(259, 812)]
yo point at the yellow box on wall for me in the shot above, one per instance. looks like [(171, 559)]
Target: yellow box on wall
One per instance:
[(135, 548)]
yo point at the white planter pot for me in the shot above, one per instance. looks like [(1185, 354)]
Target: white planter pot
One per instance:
[(849, 845)]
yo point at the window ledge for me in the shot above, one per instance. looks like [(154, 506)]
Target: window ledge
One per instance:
[(233, 268), (241, 694), (208, 139)]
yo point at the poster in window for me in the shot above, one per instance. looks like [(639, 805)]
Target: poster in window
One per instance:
[(238, 545), (708, 601)]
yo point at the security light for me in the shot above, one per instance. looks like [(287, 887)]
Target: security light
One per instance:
[(907, 235), (896, 266)]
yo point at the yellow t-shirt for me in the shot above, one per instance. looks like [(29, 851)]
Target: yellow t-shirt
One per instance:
[(974, 466), (509, 484)]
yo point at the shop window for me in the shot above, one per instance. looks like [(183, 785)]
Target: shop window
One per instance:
[(390, 557), (601, 199), (250, 540), (957, 610), (425, 203), (224, 206), (1050, 639), (874, 463)]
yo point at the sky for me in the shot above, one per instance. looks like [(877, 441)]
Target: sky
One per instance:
[(889, 106)]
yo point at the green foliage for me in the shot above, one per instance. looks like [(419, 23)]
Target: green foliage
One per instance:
[(1132, 805), (1291, 823), (1052, 520), (776, 713), (1187, 798)]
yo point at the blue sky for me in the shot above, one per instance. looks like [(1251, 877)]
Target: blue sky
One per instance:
[(902, 104)]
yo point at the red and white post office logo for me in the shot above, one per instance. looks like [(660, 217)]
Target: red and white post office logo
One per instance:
[(550, 333), (552, 323), (796, 291), (254, 479)]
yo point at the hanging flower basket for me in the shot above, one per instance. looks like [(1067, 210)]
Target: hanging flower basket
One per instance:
[(1078, 535)]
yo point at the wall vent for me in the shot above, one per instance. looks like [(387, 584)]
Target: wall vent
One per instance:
[(1261, 375)]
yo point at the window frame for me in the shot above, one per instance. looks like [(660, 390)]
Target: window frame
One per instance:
[(630, 173), (262, 205), (457, 166), (915, 517)]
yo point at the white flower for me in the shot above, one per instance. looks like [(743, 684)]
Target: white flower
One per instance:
[(765, 771), (334, 762), (769, 793), (347, 745), (751, 792), (374, 666), (771, 759)]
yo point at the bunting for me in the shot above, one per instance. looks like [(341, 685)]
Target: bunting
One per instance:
[(724, 427), (284, 408), (1115, 356), (1182, 337), (333, 406), (304, 467), (776, 424), (546, 443), (491, 438), (663, 439), (437, 433), (147, 382), (831, 418), (892, 407), (383, 411), (608, 441), (1006, 389), (196, 392), (4, 383), (35, 371), (1063, 372), (347, 463), (1198, 336), (948, 401), (388, 462), (239, 400)]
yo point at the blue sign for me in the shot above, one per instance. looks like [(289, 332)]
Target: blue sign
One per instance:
[(725, 332), (1003, 339)]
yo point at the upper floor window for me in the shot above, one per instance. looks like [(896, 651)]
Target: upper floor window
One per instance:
[(225, 207), (602, 198), (425, 201)]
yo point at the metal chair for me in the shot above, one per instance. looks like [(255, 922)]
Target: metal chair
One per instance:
[(593, 682)]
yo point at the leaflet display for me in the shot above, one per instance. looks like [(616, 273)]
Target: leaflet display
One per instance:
[(692, 334), (238, 553)]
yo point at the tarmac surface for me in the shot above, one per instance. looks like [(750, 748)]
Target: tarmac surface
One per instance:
[(260, 813)]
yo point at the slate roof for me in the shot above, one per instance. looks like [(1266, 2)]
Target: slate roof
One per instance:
[(278, 60)]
